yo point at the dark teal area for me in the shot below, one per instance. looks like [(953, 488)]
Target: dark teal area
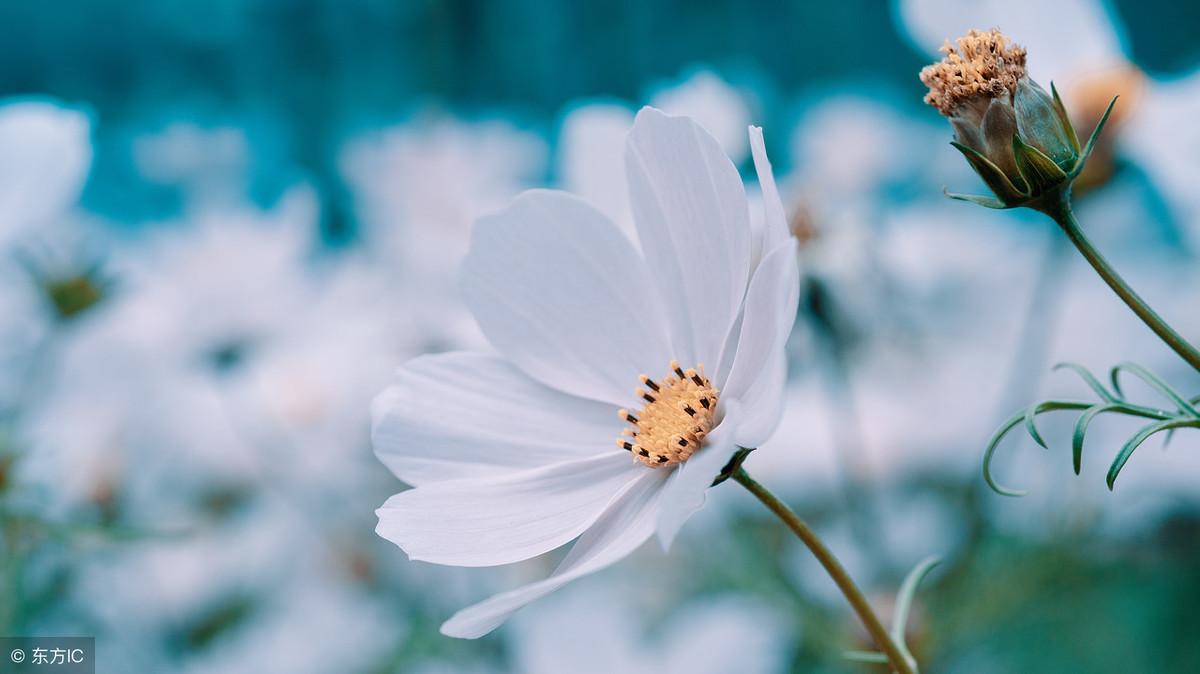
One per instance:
[(301, 75)]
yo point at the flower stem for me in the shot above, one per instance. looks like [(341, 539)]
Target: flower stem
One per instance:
[(1065, 218), (854, 595)]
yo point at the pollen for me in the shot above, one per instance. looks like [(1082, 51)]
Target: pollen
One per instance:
[(678, 414), (983, 65)]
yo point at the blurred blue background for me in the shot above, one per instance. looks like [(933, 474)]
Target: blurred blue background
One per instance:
[(223, 225)]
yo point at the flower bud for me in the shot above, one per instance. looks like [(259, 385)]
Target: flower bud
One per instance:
[(1016, 136)]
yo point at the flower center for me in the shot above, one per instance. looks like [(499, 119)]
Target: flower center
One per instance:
[(672, 424)]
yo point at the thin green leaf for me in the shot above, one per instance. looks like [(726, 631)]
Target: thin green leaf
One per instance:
[(869, 657), (1155, 383), (1065, 119), (1091, 144), (990, 452), (1031, 424), (1081, 426), (904, 600), (1089, 379), (1140, 437), (994, 443), (978, 199)]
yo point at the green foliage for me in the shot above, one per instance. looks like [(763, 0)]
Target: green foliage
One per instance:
[(1181, 413)]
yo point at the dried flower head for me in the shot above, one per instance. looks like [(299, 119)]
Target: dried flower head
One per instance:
[(1016, 136), (985, 65)]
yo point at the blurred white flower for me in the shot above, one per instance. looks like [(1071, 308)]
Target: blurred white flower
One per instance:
[(306, 394), (591, 158), (717, 106), (45, 155), (259, 589), (146, 383), (210, 164), (417, 188), (1095, 43), (507, 451), (593, 632)]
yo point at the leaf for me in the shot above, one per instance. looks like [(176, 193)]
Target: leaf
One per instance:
[(869, 657), (904, 600), (1091, 144), (1155, 383), (1065, 119), (1140, 437), (991, 450), (978, 199), (1031, 424), (989, 453), (1081, 426), (1088, 378)]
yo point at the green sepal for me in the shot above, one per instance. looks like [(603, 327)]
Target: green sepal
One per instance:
[(1066, 120), (734, 464), (979, 199), (1091, 144), (1039, 171), (996, 180)]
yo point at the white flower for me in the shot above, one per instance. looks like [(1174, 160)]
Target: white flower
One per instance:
[(590, 157), (417, 188), (512, 453), (45, 155), (210, 165)]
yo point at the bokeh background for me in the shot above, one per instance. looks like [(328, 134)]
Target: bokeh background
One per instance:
[(223, 224)]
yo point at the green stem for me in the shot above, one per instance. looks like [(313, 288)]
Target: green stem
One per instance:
[(1065, 218), (854, 595)]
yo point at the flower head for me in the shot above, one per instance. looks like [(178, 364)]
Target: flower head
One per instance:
[(674, 345), (1017, 137)]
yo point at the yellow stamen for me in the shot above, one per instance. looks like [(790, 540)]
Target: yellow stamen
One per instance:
[(678, 414)]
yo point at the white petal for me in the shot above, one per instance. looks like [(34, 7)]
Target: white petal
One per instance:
[(762, 405), (45, 154), (515, 516), (684, 493), (462, 415), (562, 293), (619, 531), (770, 312), (775, 224), (694, 226)]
